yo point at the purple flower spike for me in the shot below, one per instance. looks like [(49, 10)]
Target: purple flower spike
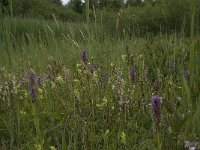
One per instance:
[(32, 92), (32, 77), (187, 75), (156, 101), (132, 73), (39, 81), (32, 85), (85, 57)]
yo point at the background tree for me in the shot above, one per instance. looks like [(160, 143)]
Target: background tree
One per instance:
[(111, 5), (116, 4), (57, 2), (102, 4), (94, 3), (4, 2), (76, 5)]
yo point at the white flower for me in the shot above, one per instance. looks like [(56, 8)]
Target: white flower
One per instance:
[(191, 145)]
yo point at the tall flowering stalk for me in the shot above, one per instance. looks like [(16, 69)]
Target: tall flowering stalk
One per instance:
[(32, 85), (187, 75), (156, 101), (85, 57), (32, 92), (32, 77), (132, 73), (39, 81)]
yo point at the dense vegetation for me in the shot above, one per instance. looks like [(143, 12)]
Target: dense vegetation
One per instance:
[(134, 15), (96, 79)]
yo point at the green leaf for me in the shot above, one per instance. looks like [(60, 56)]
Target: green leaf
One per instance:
[(169, 106)]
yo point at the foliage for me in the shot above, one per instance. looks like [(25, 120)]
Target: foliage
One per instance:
[(76, 5), (133, 16), (63, 89)]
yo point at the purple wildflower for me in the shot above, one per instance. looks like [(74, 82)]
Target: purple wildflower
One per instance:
[(132, 73), (32, 85), (187, 75), (32, 92), (156, 101), (32, 77), (93, 68), (85, 57), (39, 81)]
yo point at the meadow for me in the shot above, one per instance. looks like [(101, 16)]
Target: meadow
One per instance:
[(73, 86)]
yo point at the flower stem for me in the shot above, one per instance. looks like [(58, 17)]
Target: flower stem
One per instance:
[(158, 141)]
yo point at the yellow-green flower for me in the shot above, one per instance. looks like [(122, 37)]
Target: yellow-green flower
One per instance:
[(113, 107), (59, 79), (107, 131), (85, 72), (123, 137), (25, 93), (77, 94), (170, 130), (123, 58), (78, 65), (40, 91), (95, 74), (76, 80), (105, 101), (10, 76), (52, 148), (38, 147), (99, 106), (53, 85), (15, 90), (22, 113)]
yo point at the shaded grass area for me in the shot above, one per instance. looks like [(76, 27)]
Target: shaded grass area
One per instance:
[(51, 97)]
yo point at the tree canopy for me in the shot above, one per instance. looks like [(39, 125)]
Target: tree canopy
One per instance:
[(148, 14)]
